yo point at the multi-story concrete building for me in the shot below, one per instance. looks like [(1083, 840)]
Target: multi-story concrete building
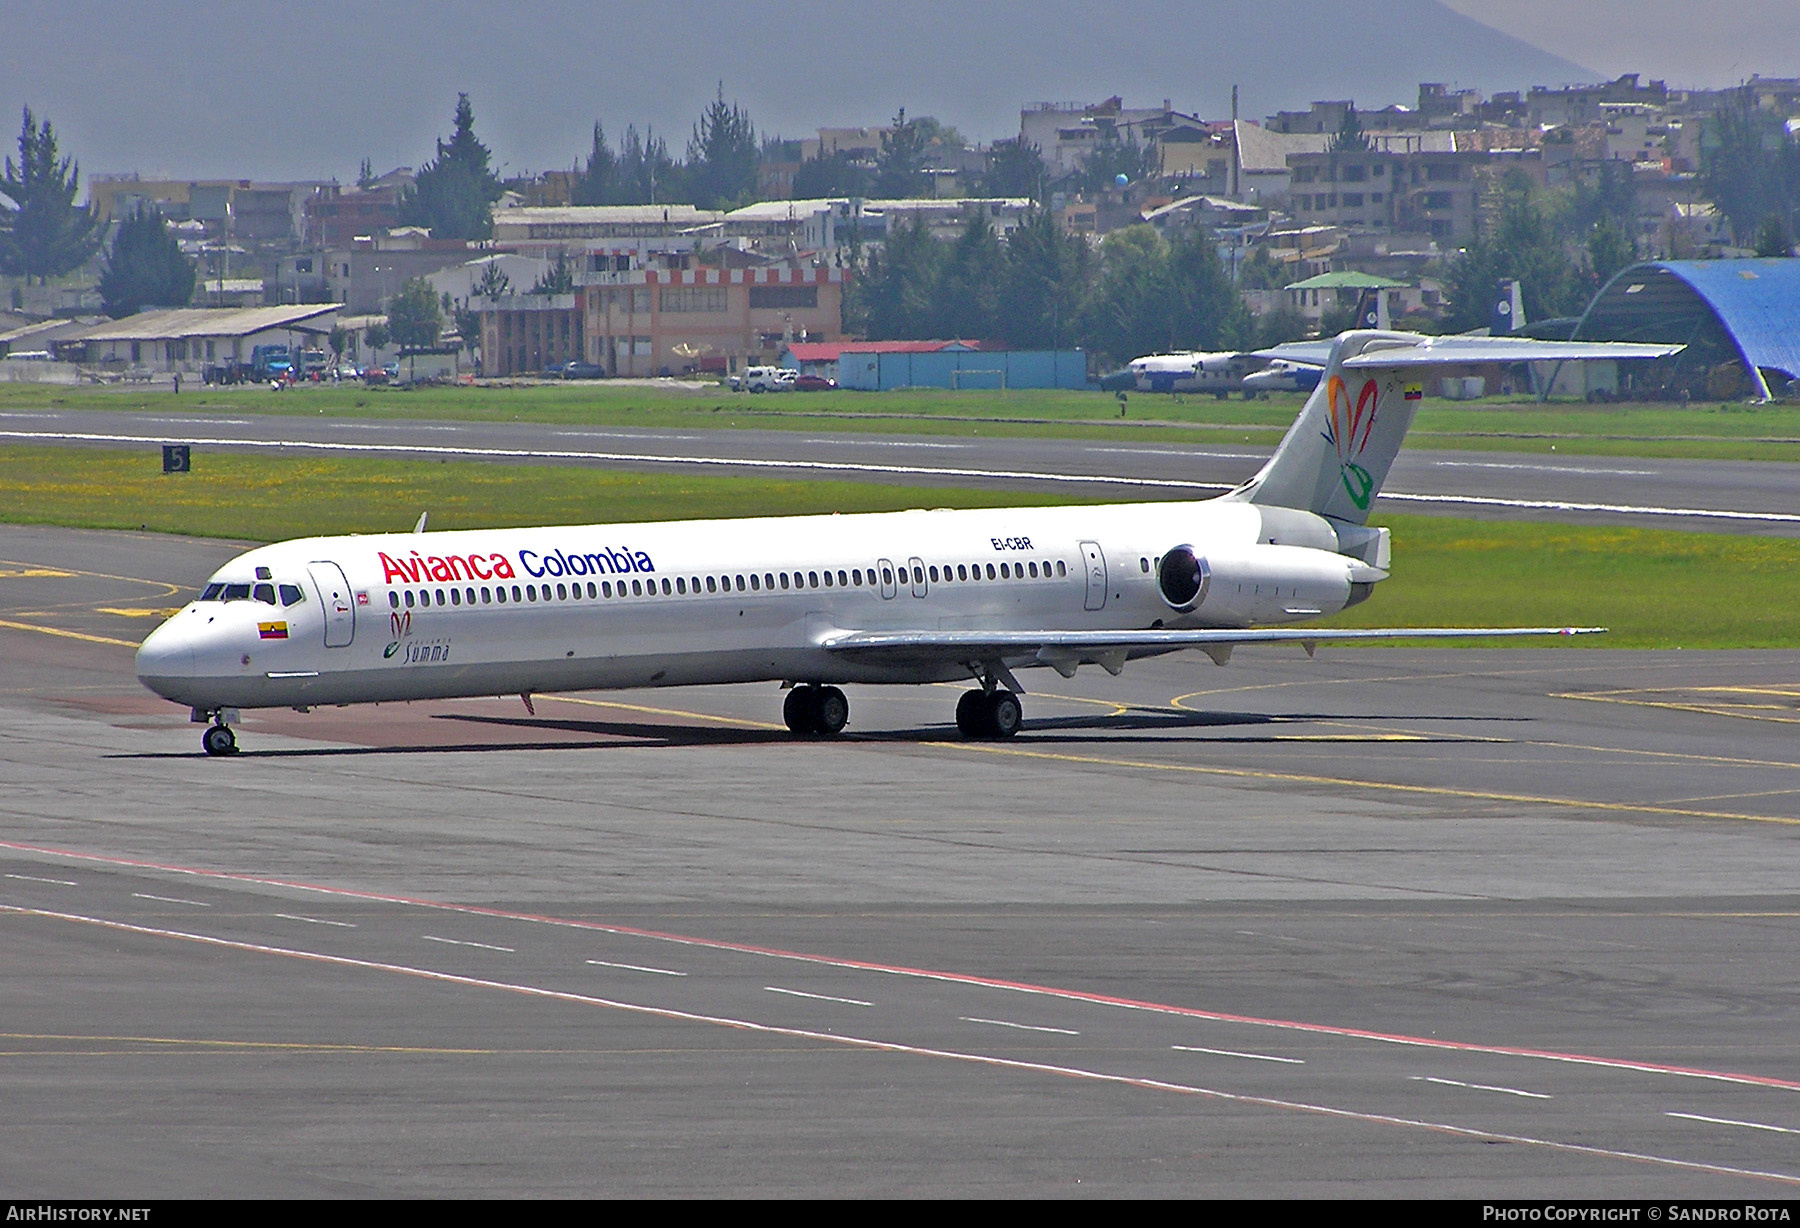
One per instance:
[(652, 321)]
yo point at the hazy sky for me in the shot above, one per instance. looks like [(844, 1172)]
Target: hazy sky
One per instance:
[(1685, 42), (266, 89)]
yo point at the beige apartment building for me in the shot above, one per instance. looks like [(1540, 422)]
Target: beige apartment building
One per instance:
[(648, 321)]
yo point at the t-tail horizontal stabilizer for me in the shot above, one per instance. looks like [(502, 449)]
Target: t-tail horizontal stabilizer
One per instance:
[(1336, 456)]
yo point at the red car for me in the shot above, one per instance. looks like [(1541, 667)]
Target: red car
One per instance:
[(813, 383)]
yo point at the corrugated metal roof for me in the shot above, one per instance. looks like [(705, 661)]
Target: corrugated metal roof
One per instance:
[(829, 351), (207, 322), (1756, 301), (1347, 280)]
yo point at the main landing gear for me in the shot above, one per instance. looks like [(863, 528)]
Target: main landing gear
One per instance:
[(988, 714), (818, 711)]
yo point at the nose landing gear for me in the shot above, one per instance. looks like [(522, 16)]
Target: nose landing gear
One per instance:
[(219, 740), (820, 711)]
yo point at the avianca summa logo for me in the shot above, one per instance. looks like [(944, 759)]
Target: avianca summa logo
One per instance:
[(1348, 428)]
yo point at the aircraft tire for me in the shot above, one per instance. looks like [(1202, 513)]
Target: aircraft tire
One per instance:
[(801, 710), (1004, 715), (219, 740), (831, 711), (972, 714)]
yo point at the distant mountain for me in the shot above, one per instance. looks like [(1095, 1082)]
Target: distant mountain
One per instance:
[(263, 89)]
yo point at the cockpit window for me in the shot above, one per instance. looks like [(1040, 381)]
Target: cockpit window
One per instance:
[(211, 592), (237, 592), (291, 594), (264, 593)]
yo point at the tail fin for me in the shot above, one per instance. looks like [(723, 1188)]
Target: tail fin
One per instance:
[(1335, 457)]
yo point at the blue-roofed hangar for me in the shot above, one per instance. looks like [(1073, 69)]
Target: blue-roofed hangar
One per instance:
[(1740, 320)]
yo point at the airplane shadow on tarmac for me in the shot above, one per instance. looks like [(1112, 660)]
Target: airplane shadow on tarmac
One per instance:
[(1148, 726)]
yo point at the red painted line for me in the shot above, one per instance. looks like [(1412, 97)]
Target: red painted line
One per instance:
[(954, 978), (896, 1047)]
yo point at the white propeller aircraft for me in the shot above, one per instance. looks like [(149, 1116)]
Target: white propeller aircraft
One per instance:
[(817, 601)]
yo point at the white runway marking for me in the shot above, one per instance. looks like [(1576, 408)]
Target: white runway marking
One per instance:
[(925, 974), (636, 968), (1481, 1087), (1616, 509), (288, 916), (1624, 473), (169, 899), (1256, 1057), (817, 997), (1023, 1027), (457, 942), (1726, 1121), (32, 878), (882, 1046)]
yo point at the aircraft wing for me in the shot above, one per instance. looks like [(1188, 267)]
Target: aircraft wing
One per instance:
[(1441, 351), (1064, 650)]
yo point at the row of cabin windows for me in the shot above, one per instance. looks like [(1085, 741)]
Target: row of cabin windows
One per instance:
[(683, 585)]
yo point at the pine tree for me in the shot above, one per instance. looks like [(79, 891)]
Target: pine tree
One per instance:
[(453, 194), (1044, 284), (48, 235), (900, 169), (1350, 137), (722, 156), (599, 182), (145, 268)]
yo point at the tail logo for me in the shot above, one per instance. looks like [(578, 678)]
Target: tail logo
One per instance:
[(1348, 429)]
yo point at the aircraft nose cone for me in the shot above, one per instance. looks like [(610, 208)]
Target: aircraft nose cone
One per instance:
[(166, 657)]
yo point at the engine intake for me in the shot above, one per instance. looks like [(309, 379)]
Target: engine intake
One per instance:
[(1183, 578)]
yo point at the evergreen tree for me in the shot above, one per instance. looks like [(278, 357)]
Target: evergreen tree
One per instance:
[(365, 174), (559, 278), (1128, 314), (896, 298), (599, 182), (835, 174), (1112, 157), (414, 317), (145, 268), (1044, 284), (454, 193), (1750, 170), (1610, 249), (1519, 242), (1205, 310), (647, 174), (1350, 137), (1015, 168), (1772, 238), (900, 168), (48, 235), (492, 283), (968, 293), (722, 156)]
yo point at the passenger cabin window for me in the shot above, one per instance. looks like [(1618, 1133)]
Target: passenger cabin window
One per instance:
[(393, 600), (409, 599)]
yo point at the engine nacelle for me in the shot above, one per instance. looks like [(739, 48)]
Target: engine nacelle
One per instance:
[(1261, 583)]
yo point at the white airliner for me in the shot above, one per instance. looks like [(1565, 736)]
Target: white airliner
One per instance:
[(816, 601)]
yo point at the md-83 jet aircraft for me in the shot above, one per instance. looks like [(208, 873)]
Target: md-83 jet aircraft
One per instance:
[(818, 601)]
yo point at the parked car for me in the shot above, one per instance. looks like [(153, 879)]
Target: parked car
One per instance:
[(583, 370), (770, 379), (814, 383)]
